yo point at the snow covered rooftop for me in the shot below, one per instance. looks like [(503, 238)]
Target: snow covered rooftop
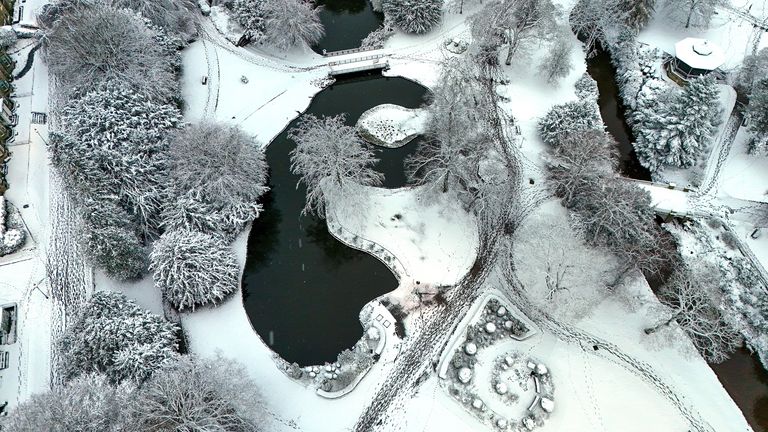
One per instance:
[(699, 53)]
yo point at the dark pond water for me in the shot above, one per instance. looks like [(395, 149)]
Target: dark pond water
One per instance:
[(347, 23), (612, 111), (301, 285), (747, 382)]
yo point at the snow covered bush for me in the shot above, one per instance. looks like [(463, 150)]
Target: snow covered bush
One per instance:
[(108, 237), (250, 14), (174, 16), (378, 37), (567, 118), (330, 158), (636, 14), (117, 145), (586, 88), (757, 110), (289, 23), (94, 44), (679, 130), (86, 403), (753, 69), (557, 63), (7, 37), (413, 16), (12, 231), (195, 394), (105, 332), (193, 269), (221, 195)]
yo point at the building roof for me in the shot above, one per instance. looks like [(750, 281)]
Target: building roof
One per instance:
[(699, 53)]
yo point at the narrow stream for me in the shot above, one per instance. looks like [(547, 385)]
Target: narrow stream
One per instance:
[(303, 289), (612, 111)]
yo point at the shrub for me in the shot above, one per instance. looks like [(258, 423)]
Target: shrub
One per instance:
[(193, 269), (567, 118), (414, 16)]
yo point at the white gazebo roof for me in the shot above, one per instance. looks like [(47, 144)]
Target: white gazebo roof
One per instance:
[(699, 53)]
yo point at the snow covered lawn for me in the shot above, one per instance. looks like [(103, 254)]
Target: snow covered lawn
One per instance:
[(744, 175)]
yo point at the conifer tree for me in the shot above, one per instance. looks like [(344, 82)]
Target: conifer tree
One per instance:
[(414, 16)]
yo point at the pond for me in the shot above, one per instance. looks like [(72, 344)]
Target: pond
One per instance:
[(612, 111), (347, 23), (302, 288)]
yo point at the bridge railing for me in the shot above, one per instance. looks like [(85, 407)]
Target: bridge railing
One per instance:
[(356, 59), (346, 51)]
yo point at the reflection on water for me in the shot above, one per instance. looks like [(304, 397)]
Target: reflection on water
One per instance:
[(347, 23), (747, 382)]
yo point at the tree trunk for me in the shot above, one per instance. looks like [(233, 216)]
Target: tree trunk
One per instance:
[(512, 50), (659, 326), (690, 14), (445, 182)]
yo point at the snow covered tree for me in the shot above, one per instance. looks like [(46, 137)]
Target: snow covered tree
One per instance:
[(557, 64), (757, 110), (118, 140), (175, 16), (250, 14), (513, 23), (107, 328), (456, 136), (219, 196), (330, 158), (691, 299), (7, 37), (568, 118), (580, 157), (109, 239), (414, 16), (289, 23), (586, 88), (194, 269), (753, 70), (95, 45), (459, 5), (617, 216), (560, 273), (86, 403), (678, 131), (195, 394), (697, 13), (636, 13)]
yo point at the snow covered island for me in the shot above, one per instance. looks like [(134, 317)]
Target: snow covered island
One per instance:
[(391, 126)]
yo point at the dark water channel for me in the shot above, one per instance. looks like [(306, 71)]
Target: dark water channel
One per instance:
[(747, 382), (303, 289), (347, 23), (612, 111)]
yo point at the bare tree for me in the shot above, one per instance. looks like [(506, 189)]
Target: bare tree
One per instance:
[(559, 271), (330, 158), (95, 45), (194, 394), (513, 23), (291, 22), (218, 173), (87, 403), (691, 301), (557, 64), (694, 12), (455, 134), (580, 155)]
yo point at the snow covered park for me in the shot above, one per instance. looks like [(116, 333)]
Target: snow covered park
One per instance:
[(221, 192)]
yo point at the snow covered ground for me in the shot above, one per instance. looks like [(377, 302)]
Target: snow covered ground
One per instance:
[(745, 176)]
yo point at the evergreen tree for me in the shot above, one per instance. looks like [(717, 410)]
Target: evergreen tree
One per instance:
[(289, 23), (678, 133), (250, 15), (758, 115), (636, 13), (414, 16), (108, 326), (194, 269)]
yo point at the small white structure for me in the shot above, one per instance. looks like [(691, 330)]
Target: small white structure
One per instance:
[(696, 57), (465, 375)]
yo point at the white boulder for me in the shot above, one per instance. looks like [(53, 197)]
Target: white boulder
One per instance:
[(541, 369), (373, 333), (490, 327), (465, 375), (501, 388), (470, 348), (547, 404), (501, 311), (502, 423), (477, 404), (529, 423)]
